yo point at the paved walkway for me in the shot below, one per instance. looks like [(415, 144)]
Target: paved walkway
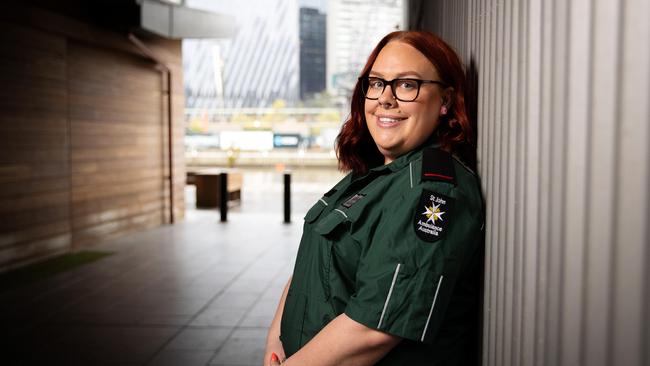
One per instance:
[(196, 293)]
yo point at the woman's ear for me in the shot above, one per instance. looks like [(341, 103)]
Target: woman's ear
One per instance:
[(448, 97), (447, 101)]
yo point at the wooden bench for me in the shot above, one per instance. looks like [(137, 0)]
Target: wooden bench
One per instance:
[(208, 186)]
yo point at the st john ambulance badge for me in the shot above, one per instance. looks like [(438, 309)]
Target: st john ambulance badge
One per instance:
[(432, 216)]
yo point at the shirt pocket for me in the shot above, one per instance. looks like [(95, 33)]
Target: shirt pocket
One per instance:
[(327, 225), (326, 229), (314, 212)]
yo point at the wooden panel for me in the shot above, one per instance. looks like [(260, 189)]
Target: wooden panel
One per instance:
[(116, 152), (89, 167), (42, 87), (108, 116), (82, 133), (41, 43), (94, 191), (143, 104), (114, 128), (19, 220), (33, 185), (109, 91), (113, 80), (39, 140), (19, 124), (116, 177), (29, 202), (112, 229), (118, 214), (35, 232), (23, 155), (114, 208), (34, 164), (39, 248)]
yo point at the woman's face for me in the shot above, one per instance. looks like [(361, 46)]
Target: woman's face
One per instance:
[(398, 127)]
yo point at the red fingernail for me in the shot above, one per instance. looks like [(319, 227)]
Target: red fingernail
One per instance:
[(274, 357)]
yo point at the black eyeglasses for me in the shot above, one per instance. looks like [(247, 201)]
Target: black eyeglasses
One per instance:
[(405, 90)]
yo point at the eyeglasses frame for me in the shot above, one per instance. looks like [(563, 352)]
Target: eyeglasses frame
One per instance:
[(392, 86)]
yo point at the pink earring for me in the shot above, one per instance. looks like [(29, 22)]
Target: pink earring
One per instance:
[(443, 110)]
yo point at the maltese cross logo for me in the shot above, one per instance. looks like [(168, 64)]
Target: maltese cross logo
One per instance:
[(433, 213)]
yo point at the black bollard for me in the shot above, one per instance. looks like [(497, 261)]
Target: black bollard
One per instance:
[(223, 196), (287, 197)]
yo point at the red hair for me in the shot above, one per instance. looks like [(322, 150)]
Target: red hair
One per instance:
[(355, 148)]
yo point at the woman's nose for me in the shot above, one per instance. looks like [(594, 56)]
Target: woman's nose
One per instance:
[(387, 99)]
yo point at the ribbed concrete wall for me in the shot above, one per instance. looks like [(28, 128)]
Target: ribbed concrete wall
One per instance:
[(563, 96)]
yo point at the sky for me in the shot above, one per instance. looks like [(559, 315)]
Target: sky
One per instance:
[(241, 7)]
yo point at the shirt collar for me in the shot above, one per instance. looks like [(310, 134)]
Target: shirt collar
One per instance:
[(407, 158)]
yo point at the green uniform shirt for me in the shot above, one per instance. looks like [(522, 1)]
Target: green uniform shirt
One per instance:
[(397, 250)]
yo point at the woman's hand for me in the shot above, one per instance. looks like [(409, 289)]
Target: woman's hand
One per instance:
[(275, 360), (273, 343), (274, 354)]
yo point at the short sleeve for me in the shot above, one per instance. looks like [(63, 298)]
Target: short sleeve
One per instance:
[(407, 273)]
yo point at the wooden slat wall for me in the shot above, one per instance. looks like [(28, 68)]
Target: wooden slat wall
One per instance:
[(563, 111), (171, 52), (116, 115), (83, 135), (34, 144)]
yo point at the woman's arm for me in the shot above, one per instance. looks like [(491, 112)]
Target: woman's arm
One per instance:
[(344, 342), (273, 344)]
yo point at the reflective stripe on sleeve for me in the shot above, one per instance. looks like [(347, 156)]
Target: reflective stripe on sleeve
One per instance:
[(431, 310), (390, 292), (342, 213)]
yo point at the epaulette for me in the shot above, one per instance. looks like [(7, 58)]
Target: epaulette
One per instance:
[(462, 163), (437, 165)]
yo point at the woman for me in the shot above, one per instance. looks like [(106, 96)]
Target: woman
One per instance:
[(386, 272)]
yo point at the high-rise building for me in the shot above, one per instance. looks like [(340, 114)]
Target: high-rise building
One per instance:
[(353, 28), (313, 49), (258, 66)]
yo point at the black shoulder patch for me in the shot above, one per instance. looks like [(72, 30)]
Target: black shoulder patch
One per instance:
[(330, 192), (432, 216), (437, 165)]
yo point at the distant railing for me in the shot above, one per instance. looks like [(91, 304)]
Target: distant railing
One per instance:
[(260, 111)]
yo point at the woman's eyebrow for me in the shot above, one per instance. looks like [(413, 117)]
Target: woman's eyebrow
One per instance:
[(398, 75)]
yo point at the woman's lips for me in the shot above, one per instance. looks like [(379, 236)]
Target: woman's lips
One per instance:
[(388, 122)]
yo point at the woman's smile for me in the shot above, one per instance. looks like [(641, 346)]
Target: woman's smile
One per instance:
[(388, 121)]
